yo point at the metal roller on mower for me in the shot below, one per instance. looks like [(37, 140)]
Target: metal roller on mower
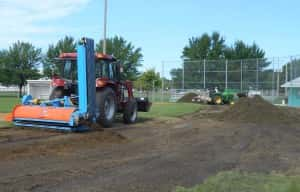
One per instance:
[(95, 97)]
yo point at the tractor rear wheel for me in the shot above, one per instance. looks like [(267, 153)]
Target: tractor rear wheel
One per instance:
[(107, 106), (130, 112)]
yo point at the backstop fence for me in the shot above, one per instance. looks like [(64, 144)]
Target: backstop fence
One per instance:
[(264, 75)]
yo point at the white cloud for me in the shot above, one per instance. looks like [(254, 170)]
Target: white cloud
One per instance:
[(22, 18)]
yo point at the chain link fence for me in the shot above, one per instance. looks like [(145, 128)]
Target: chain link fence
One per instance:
[(263, 75)]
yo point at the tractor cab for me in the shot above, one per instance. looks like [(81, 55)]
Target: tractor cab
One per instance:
[(107, 70), (108, 76)]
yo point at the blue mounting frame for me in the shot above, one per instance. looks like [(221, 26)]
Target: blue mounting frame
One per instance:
[(86, 77)]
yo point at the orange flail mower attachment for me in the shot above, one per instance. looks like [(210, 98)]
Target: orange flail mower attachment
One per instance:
[(42, 113)]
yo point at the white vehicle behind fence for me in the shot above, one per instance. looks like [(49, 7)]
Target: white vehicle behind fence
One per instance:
[(252, 93)]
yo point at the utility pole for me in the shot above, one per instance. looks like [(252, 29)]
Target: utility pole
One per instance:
[(105, 27)]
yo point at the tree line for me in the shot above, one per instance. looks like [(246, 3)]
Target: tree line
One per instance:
[(23, 61)]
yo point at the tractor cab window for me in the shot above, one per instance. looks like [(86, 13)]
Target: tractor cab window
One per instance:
[(106, 69), (68, 69), (111, 71)]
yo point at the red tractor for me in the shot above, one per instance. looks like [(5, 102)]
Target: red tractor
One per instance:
[(112, 93)]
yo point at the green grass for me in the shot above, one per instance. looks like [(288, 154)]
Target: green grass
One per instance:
[(7, 103), (240, 182), (170, 110), (157, 109), (9, 94), (5, 124)]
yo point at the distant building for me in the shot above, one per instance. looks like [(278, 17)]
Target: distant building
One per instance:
[(293, 88), (40, 89)]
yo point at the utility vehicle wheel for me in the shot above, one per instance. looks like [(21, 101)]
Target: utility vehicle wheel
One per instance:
[(57, 93), (218, 100), (130, 112), (106, 104)]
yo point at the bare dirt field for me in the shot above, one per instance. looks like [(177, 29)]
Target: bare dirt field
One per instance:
[(154, 155)]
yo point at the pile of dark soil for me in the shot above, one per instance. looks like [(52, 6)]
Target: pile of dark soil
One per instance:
[(187, 98), (257, 110)]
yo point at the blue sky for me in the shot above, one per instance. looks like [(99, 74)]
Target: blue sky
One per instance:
[(160, 27)]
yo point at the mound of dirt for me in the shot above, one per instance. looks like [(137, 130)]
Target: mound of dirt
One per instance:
[(187, 98), (257, 110)]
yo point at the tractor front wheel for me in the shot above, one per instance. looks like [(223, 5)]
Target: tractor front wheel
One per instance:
[(106, 104), (130, 112)]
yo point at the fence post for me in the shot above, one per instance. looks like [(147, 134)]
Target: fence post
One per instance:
[(183, 75), (278, 77), (241, 76), (286, 79), (257, 74), (204, 73), (273, 77), (291, 69), (153, 85), (226, 75), (162, 82)]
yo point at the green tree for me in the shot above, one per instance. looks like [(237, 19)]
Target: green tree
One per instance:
[(176, 76), (125, 52), (148, 80), (205, 47), (240, 50), (20, 63), (51, 64), (254, 59), (209, 47), (213, 49), (5, 73)]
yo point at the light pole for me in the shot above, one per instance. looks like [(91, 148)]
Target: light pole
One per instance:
[(105, 26)]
